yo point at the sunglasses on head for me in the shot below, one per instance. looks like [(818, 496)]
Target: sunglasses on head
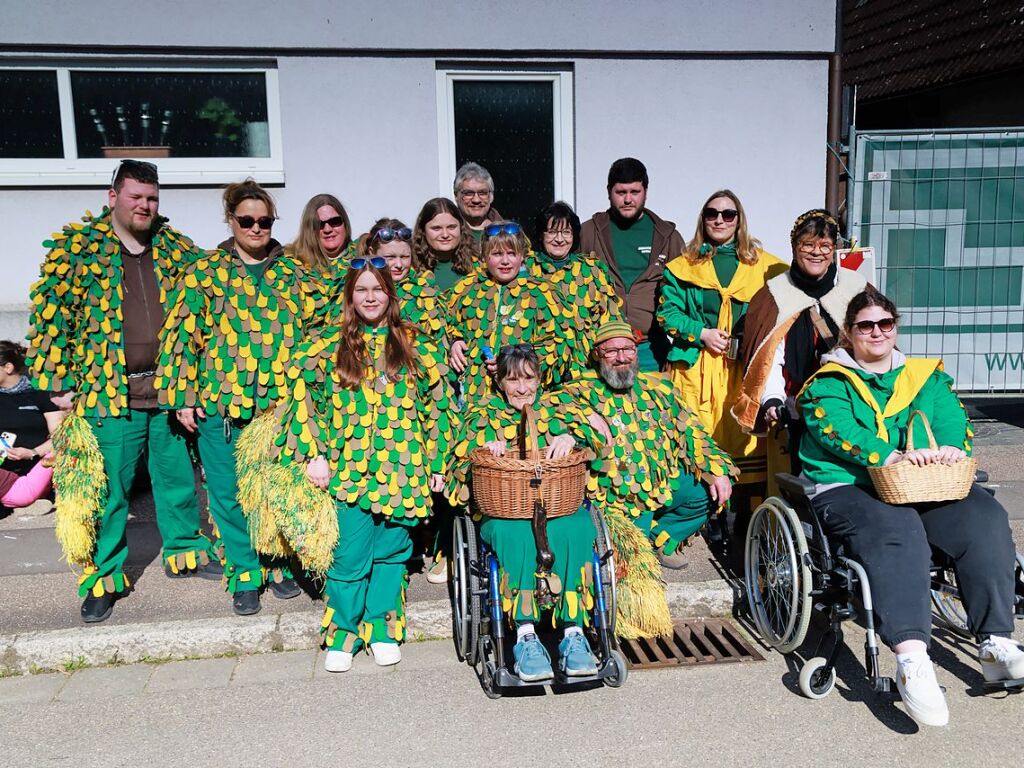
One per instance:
[(387, 234), (334, 221), (377, 262), (728, 215), (508, 228), (247, 222), (131, 165), (867, 327)]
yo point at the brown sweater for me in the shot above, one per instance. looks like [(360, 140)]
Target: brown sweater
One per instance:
[(143, 317)]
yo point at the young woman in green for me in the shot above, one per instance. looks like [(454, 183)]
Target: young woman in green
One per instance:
[(856, 409), (442, 244)]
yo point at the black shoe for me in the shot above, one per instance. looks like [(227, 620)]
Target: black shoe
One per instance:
[(246, 603), (285, 589), (212, 571), (96, 609)]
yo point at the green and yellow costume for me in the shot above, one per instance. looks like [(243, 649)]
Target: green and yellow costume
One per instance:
[(422, 303), (225, 349), (571, 538), (714, 293), (586, 290), (76, 341), (327, 284), (650, 474), (483, 312), (382, 441)]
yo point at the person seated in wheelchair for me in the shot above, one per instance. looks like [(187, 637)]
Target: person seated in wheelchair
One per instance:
[(856, 409), (567, 591)]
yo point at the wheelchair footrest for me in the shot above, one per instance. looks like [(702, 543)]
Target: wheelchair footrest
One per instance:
[(506, 678), (1004, 685)]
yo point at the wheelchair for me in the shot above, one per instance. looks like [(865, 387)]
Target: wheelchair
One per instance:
[(480, 630), (791, 569)]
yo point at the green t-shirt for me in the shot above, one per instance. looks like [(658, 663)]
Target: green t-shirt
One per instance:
[(632, 247), (446, 276), (256, 270)]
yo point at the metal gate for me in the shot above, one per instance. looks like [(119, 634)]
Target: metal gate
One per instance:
[(944, 211)]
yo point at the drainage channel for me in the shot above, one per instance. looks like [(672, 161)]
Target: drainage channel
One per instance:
[(692, 642)]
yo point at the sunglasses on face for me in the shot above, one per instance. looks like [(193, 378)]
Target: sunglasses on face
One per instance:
[(248, 222), (377, 262), (387, 234), (866, 327), (509, 228), (335, 221), (728, 215)]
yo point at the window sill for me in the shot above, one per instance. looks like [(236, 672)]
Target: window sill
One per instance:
[(169, 177)]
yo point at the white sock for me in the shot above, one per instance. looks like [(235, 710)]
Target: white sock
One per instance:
[(574, 628), (918, 656), (524, 630)]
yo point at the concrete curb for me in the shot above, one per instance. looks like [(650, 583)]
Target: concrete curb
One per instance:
[(229, 635)]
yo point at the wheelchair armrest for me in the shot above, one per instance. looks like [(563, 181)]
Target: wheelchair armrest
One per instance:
[(981, 476), (794, 487)]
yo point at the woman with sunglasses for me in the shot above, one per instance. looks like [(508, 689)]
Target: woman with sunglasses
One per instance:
[(442, 244), (391, 241), (503, 304), (581, 279), (790, 323), (703, 302), (366, 417), (325, 234), (492, 424), (857, 409), (225, 348)]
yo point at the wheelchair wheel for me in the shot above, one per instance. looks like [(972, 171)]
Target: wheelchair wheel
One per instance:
[(811, 684), (465, 590), (616, 679), (603, 544), (777, 577), (951, 608)]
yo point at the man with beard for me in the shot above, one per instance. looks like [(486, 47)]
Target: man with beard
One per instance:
[(96, 313), (635, 243), (661, 469)]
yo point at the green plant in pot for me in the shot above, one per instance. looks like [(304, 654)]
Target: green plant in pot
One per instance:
[(223, 119)]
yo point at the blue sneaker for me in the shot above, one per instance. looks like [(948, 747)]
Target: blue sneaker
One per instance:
[(575, 656), (533, 664)]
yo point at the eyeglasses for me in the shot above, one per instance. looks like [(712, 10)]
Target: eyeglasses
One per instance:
[(377, 262), (712, 214), (469, 194), (387, 234), (335, 222), (866, 327), (508, 228), (824, 248), (247, 222), (565, 234), (131, 165), (609, 352)]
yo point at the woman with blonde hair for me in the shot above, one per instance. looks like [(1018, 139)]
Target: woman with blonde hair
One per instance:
[(324, 237)]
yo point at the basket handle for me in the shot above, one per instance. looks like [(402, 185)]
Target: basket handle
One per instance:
[(927, 429), (527, 432)]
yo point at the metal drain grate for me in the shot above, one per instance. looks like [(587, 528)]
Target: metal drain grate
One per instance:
[(692, 642)]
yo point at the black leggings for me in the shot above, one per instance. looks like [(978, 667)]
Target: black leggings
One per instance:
[(892, 543)]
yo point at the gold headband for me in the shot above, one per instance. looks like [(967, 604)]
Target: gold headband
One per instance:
[(816, 213)]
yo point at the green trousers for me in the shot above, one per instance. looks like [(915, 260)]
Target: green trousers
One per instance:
[(244, 569), (122, 441), (684, 515), (571, 582), (365, 585)]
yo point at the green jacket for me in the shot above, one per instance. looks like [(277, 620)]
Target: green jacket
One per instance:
[(228, 341), (76, 326), (842, 438)]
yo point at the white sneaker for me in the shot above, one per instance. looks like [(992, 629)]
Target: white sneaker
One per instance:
[(438, 571), (1001, 659), (920, 691), (338, 661), (386, 654)]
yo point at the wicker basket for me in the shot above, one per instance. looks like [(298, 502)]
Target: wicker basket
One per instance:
[(504, 487), (906, 483)]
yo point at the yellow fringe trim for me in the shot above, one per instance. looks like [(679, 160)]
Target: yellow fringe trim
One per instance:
[(81, 487), (642, 608)]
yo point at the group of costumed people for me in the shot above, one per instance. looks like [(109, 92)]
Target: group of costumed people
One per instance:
[(336, 389)]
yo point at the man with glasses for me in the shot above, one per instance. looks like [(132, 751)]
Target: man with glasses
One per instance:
[(96, 313), (474, 194), (662, 469), (635, 243)]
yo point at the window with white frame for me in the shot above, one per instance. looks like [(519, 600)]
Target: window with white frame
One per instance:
[(516, 124), (63, 125)]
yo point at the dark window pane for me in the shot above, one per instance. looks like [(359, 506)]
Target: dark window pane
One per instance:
[(29, 114), (507, 127), (180, 114)]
